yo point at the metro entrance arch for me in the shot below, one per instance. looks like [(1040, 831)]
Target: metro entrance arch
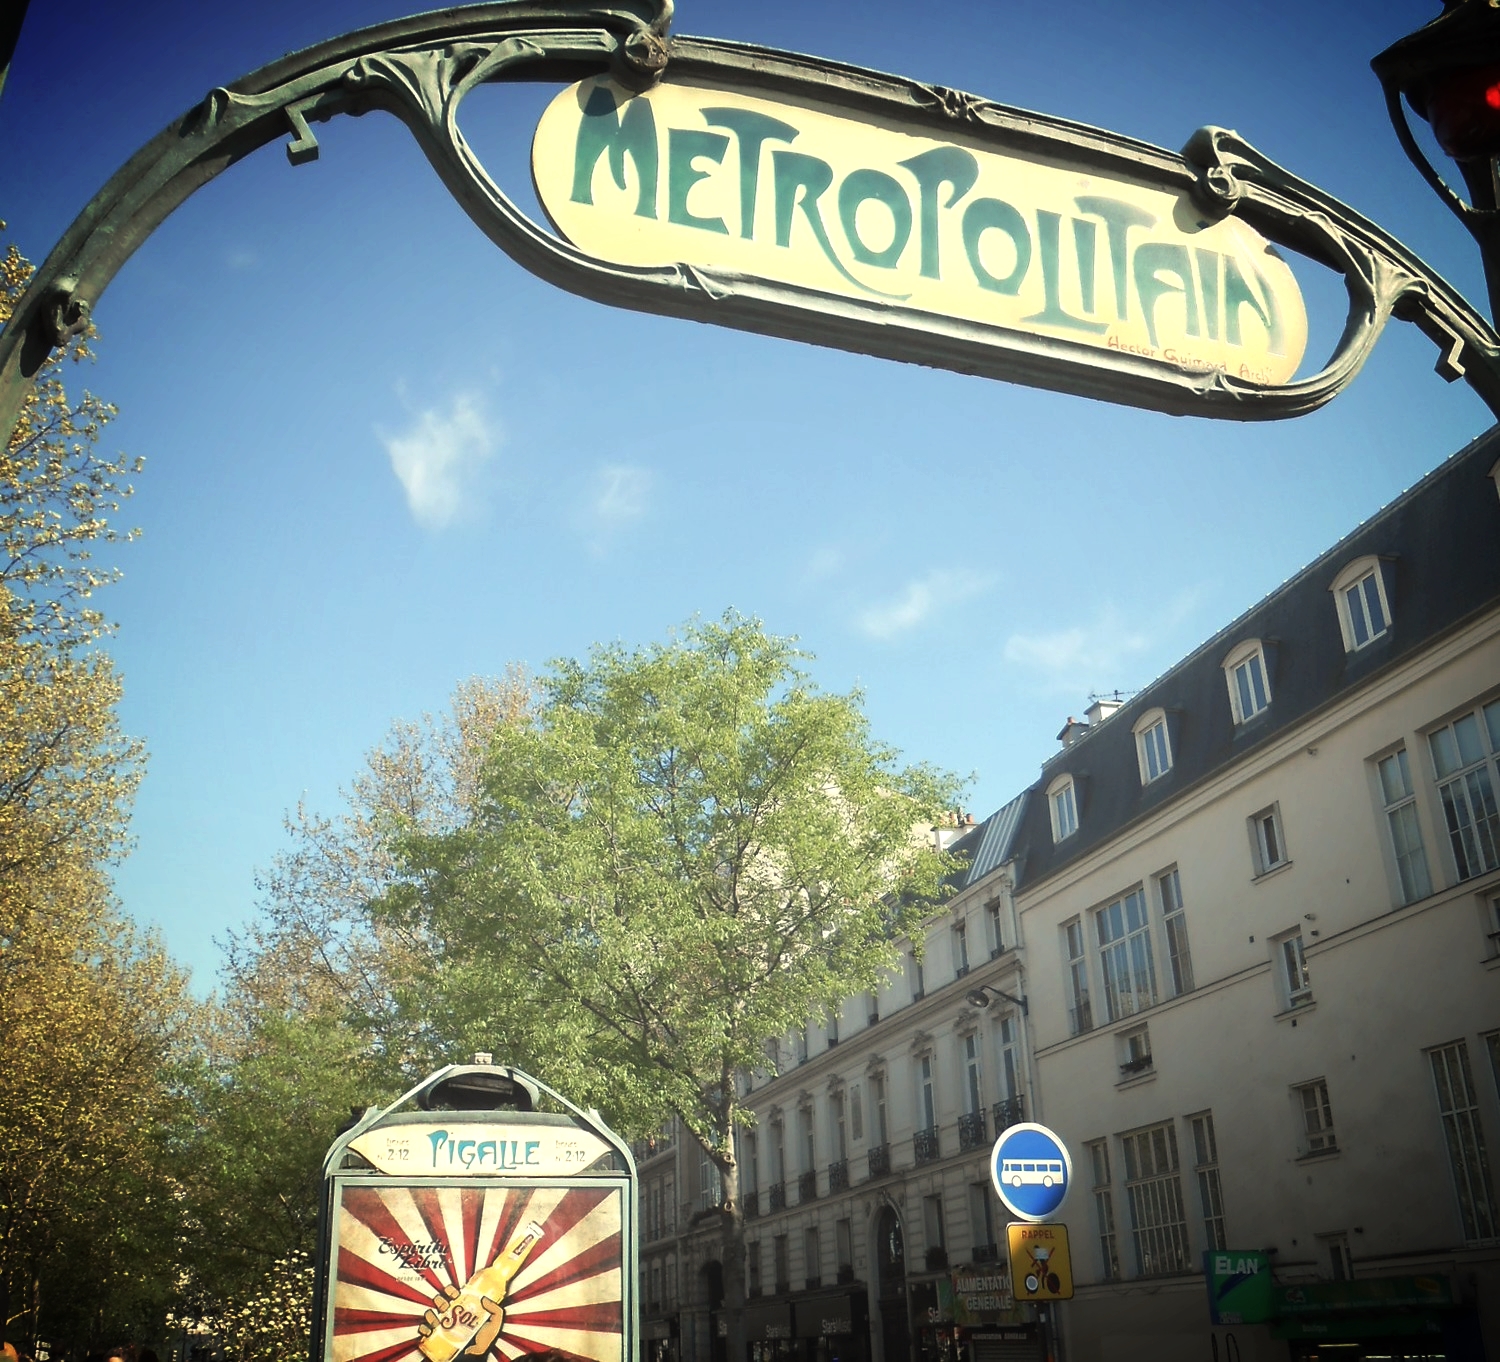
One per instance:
[(1047, 287)]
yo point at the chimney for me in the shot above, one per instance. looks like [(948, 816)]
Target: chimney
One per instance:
[(1101, 709), (1072, 731)]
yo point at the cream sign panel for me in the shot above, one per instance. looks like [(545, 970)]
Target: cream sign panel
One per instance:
[(792, 194), (465, 1148)]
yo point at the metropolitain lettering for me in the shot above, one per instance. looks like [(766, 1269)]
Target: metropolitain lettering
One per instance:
[(1069, 258)]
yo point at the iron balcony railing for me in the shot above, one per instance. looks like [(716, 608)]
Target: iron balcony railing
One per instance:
[(925, 1145), (807, 1187), (776, 1196), (1081, 1017), (838, 1176), (752, 1205), (971, 1130), (1011, 1111), (986, 1253), (880, 1160)]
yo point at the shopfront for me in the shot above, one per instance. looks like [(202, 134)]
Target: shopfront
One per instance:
[(832, 1326), (1393, 1319), (768, 1331)]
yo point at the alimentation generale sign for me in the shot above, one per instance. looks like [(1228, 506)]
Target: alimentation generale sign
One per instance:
[(870, 209)]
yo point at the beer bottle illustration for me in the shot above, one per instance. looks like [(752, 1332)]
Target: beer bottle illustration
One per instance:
[(461, 1319)]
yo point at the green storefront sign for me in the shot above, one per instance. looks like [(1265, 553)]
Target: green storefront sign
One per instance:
[(1239, 1286), (1369, 1293)]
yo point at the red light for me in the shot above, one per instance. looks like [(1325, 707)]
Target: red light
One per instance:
[(1463, 107)]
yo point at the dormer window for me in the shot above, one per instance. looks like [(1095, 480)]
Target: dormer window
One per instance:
[(1062, 801), (1153, 745), (1249, 685), (1364, 609)]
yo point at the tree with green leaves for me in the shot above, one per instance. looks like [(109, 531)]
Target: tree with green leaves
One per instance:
[(687, 849)]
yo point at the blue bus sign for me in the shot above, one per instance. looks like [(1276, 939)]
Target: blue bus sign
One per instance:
[(1031, 1171)]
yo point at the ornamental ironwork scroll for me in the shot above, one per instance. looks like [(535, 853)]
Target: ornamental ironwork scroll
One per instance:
[(797, 197)]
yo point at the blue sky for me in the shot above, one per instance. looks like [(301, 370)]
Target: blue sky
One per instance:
[(382, 458)]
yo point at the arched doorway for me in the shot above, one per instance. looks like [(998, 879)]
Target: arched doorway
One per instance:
[(890, 1264)]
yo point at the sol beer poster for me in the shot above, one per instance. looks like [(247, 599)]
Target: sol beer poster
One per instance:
[(459, 1271)]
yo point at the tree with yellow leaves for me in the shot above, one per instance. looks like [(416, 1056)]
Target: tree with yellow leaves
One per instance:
[(91, 1010)]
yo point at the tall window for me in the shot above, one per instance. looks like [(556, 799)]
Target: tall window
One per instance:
[(812, 1256), (1249, 685), (932, 1223), (710, 1183), (1153, 1186), (1153, 747), (971, 1073), (809, 1158), (840, 1133), (926, 1107), (1267, 845), (1063, 802), (877, 1101), (778, 1150), (916, 977), (1081, 1014), (856, 1113), (1458, 1106), (752, 1267), (801, 1042), (779, 1262), (1210, 1192), (1317, 1118), (843, 1244), (1125, 955), (1104, 1209), (992, 915), (1010, 1056), (960, 950), (1174, 921), (1296, 985), (750, 1158), (1463, 755), (981, 1216), (1359, 594), (1405, 831)]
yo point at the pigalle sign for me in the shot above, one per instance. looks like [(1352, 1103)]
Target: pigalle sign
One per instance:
[(813, 199)]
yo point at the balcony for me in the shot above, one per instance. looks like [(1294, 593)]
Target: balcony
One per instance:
[(875, 1016), (1131, 1067), (925, 1145), (776, 1196), (838, 1176), (752, 1205), (986, 1253), (971, 1131), (1081, 1018), (1008, 1113), (960, 971), (807, 1187), (880, 1160), (937, 1257)]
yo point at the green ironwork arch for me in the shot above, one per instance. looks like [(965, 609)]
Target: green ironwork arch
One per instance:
[(420, 68)]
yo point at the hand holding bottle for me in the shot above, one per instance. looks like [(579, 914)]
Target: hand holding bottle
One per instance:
[(489, 1331)]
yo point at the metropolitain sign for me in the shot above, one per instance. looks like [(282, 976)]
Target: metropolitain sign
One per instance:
[(875, 212)]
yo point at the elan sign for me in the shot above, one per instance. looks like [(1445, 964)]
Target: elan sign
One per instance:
[(867, 209)]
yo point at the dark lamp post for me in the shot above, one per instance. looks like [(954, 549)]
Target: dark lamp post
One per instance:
[(1449, 73)]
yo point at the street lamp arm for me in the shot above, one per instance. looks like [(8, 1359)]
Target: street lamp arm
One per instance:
[(1383, 278)]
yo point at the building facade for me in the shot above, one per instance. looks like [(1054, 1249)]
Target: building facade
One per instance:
[(1239, 945), (1260, 909)]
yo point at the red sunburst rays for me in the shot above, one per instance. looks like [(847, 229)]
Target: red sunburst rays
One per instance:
[(399, 1246)]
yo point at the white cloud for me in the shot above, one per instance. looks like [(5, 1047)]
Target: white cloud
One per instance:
[(919, 600), (619, 495), (440, 456), (1105, 653)]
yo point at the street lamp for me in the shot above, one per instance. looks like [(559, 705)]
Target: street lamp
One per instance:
[(980, 997), (1449, 72)]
